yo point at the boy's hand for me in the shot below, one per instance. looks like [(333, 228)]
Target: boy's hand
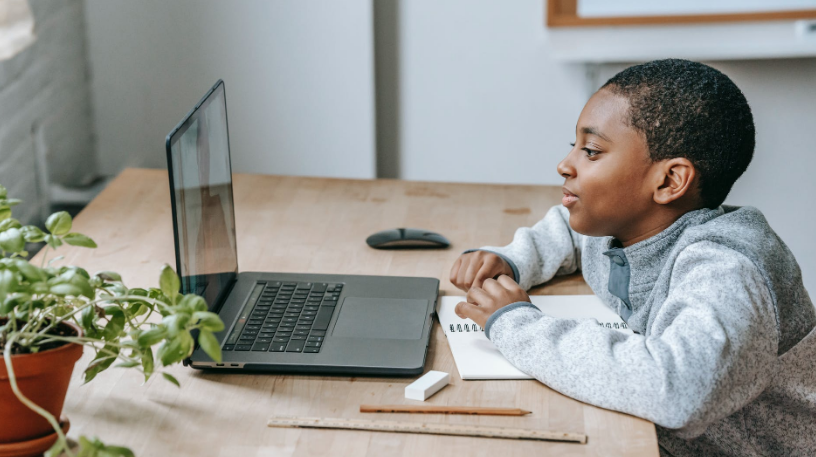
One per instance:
[(471, 269), (486, 300)]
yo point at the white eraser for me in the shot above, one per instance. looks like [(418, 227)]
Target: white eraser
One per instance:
[(424, 387)]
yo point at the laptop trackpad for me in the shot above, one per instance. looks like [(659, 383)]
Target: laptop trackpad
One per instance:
[(381, 318)]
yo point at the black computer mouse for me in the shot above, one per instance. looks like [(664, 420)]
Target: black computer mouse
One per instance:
[(407, 238)]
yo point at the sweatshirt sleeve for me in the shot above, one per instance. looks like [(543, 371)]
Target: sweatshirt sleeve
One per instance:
[(547, 249), (711, 349)]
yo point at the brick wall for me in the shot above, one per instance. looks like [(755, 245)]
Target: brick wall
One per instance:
[(45, 109)]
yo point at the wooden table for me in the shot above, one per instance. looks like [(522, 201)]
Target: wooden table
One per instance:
[(319, 225)]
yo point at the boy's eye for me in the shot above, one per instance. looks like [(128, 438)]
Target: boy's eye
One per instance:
[(591, 152)]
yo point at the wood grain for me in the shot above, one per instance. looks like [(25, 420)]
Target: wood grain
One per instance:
[(564, 13), (319, 225)]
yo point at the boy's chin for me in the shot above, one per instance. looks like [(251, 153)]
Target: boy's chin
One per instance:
[(584, 227)]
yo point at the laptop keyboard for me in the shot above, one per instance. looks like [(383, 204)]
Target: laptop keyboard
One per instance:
[(286, 317)]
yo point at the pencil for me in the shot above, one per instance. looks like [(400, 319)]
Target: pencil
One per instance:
[(428, 409)]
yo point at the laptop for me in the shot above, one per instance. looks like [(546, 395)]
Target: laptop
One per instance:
[(281, 322)]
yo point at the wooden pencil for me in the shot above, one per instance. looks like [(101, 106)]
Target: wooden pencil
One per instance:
[(430, 409)]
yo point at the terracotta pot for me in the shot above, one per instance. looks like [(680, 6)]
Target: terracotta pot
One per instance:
[(43, 378)]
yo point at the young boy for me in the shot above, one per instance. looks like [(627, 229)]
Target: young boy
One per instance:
[(722, 359)]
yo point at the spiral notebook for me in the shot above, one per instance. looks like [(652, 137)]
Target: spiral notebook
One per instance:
[(475, 355)]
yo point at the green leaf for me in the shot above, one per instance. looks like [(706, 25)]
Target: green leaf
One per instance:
[(111, 276), (208, 321), (169, 283), (78, 239), (30, 272), (5, 212), (53, 241), (171, 378), (130, 364), (59, 223), (147, 363), (192, 303), (88, 318), (9, 223), (170, 352), (10, 202), (12, 240), (3, 192), (116, 324), (176, 323), (33, 234), (8, 284), (210, 345), (101, 362), (65, 289), (152, 336)]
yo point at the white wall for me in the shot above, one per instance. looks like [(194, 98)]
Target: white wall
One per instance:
[(299, 78), (482, 101)]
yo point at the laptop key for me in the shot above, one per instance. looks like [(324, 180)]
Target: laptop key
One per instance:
[(243, 347), (297, 337), (261, 347), (295, 346), (264, 340), (313, 344), (301, 332), (311, 350), (278, 347), (280, 339), (318, 333), (228, 347), (316, 339)]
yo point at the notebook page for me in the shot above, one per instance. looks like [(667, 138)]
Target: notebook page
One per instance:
[(475, 355)]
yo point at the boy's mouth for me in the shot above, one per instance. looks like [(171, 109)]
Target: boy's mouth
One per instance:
[(569, 198)]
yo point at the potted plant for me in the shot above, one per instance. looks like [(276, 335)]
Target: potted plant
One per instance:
[(49, 313)]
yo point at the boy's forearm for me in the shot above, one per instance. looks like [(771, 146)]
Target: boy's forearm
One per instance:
[(547, 249), (714, 352)]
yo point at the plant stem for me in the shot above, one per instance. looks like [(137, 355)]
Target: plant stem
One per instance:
[(24, 400), (45, 251), (99, 300)]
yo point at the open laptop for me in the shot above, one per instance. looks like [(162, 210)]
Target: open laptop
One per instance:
[(281, 322)]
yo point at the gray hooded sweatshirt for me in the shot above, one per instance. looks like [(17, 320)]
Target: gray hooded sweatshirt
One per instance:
[(723, 359)]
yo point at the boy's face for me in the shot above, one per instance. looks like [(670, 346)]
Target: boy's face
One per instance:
[(607, 189)]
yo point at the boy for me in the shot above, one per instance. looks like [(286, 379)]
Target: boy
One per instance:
[(722, 359)]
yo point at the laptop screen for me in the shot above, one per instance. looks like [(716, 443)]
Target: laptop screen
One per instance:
[(198, 160)]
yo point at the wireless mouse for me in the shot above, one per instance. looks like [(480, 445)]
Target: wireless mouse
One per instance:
[(407, 238)]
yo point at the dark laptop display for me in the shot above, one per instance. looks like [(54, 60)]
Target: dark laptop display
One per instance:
[(279, 321), (203, 205)]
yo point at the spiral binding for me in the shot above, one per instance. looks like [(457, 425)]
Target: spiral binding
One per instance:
[(467, 328)]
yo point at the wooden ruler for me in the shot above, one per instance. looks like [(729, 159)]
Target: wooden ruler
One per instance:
[(424, 428)]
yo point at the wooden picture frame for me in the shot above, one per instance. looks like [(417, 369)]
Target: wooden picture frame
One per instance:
[(564, 13)]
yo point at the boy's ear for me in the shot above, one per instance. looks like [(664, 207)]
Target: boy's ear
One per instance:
[(675, 178)]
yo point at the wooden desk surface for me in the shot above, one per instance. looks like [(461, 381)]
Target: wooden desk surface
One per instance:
[(319, 225)]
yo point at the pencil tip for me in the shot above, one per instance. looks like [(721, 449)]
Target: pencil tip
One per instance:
[(526, 412)]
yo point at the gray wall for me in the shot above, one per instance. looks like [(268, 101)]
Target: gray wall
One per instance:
[(299, 79), (45, 109), (466, 91), (482, 100)]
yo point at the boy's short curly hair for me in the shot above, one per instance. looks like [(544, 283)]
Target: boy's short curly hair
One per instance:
[(688, 109)]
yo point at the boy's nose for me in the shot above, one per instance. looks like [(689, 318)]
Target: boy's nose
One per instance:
[(565, 169)]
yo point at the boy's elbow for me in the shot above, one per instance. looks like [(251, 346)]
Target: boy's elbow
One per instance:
[(687, 421)]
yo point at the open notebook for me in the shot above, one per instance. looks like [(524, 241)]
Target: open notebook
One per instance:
[(475, 355)]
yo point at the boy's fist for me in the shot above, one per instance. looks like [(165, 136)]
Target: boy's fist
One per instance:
[(471, 269)]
